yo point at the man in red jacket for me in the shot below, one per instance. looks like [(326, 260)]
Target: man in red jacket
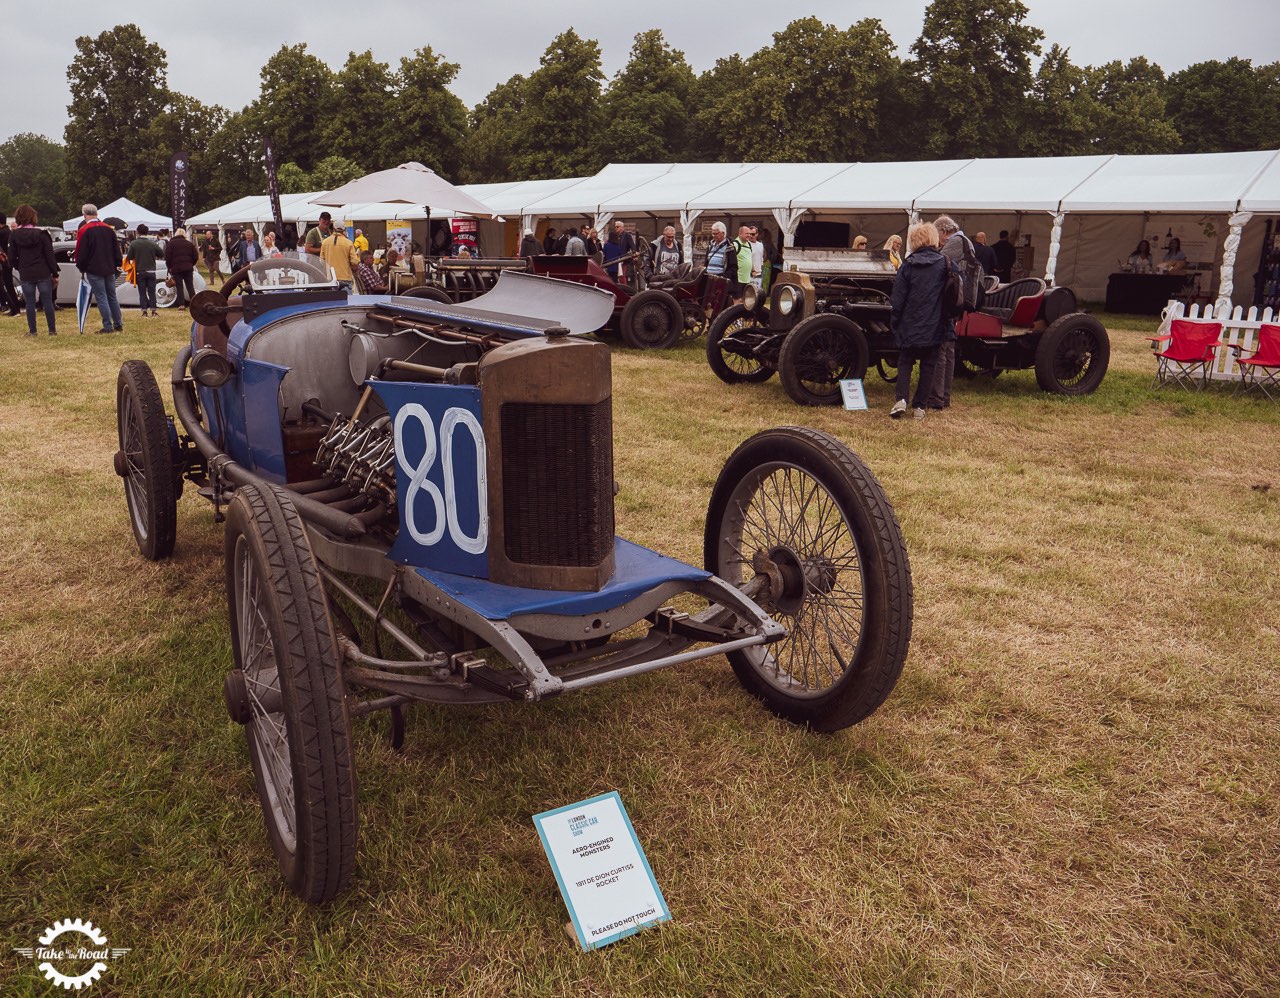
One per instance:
[(98, 257)]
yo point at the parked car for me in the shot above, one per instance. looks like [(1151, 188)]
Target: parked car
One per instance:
[(443, 473), (64, 252), (827, 318)]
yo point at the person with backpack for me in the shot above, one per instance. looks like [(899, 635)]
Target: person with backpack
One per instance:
[(740, 250), (917, 318), (957, 248)]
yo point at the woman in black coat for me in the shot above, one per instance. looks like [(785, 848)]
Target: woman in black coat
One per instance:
[(31, 255), (918, 324)]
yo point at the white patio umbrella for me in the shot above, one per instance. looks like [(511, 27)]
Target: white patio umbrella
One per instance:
[(408, 183)]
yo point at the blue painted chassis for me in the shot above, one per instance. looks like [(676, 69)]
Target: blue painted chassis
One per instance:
[(243, 418)]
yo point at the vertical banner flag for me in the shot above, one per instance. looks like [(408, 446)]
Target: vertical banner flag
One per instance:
[(179, 163), (273, 185)]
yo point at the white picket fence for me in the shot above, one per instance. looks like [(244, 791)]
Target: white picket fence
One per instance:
[(1239, 327)]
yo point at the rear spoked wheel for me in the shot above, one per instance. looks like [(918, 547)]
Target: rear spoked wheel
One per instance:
[(287, 691), (797, 507)]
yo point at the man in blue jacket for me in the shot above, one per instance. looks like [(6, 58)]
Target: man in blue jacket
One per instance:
[(98, 257)]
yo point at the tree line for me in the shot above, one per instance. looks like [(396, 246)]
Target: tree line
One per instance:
[(970, 85)]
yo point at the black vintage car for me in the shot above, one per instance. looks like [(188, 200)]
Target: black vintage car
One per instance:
[(827, 318)]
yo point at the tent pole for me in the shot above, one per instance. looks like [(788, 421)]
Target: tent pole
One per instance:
[(1226, 276)]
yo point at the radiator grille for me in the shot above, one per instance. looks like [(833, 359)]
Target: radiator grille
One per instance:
[(557, 483)]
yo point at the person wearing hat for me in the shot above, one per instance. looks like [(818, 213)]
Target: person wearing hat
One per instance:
[(529, 245), (317, 234)]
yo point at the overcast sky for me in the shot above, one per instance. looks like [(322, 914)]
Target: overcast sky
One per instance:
[(216, 51)]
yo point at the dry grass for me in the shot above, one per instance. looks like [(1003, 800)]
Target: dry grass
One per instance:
[(1072, 791)]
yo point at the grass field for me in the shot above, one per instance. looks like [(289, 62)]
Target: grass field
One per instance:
[(1073, 790)]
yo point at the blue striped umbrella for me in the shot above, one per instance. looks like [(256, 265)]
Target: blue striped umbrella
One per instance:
[(82, 303)]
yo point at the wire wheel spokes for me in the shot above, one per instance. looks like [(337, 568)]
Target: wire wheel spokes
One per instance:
[(784, 510), (267, 730), (135, 479), (736, 353), (1071, 362), (828, 358)]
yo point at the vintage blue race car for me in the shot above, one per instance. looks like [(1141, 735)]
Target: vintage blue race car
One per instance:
[(443, 474)]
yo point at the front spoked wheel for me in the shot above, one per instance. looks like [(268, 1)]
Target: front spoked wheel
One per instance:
[(288, 693), (797, 507)]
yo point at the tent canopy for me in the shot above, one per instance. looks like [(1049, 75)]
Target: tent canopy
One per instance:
[(1010, 184), (876, 186), (671, 191), (132, 214), (1200, 182), (585, 197), (766, 186)]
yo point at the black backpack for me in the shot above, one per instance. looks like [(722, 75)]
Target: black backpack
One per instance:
[(952, 293)]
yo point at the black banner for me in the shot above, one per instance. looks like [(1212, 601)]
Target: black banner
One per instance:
[(179, 164), (273, 186)]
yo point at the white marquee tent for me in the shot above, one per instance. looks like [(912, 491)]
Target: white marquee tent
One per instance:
[(1078, 215), (128, 212)]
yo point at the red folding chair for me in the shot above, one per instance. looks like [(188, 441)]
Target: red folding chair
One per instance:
[(1261, 369), (1188, 358)]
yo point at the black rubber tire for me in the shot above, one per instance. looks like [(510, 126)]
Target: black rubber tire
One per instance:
[(269, 559), (149, 476), (888, 370), (1072, 356), (850, 502), (733, 369), (652, 320), (430, 292), (818, 354)]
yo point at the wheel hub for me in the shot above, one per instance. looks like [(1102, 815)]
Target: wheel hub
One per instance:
[(236, 694), (785, 571)]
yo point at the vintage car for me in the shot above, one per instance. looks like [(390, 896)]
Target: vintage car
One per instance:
[(419, 505), (826, 319), (64, 252)]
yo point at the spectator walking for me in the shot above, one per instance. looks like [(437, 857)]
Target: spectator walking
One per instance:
[(627, 248), (144, 252), (212, 251), (529, 245), (592, 242), (31, 254), (180, 256), (742, 250), (360, 242), (317, 234), (668, 253), (247, 250), (610, 255), (270, 251), (573, 245), (98, 258), (916, 317), (957, 248), (339, 255), (549, 242), (1005, 257), (8, 295)]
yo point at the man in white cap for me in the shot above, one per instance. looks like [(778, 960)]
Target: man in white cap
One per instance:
[(529, 245)]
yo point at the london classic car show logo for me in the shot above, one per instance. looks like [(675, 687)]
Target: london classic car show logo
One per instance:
[(72, 953)]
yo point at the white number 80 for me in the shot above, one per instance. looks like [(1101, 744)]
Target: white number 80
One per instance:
[(445, 505)]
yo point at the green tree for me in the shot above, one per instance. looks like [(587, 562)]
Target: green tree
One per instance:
[(118, 87), (362, 124), (490, 151), (1223, 106), (561, 118), (1130, 112), (237, 152), (646, 108), (1061, 116), (294, 104), (430, 120), (813, 95), (972, 72), (293, 179), (184, 125), (714, 96), (333, 171), (35, 173)]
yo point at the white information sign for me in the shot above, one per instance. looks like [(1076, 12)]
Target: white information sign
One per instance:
[(601, 870), (852, 393)]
